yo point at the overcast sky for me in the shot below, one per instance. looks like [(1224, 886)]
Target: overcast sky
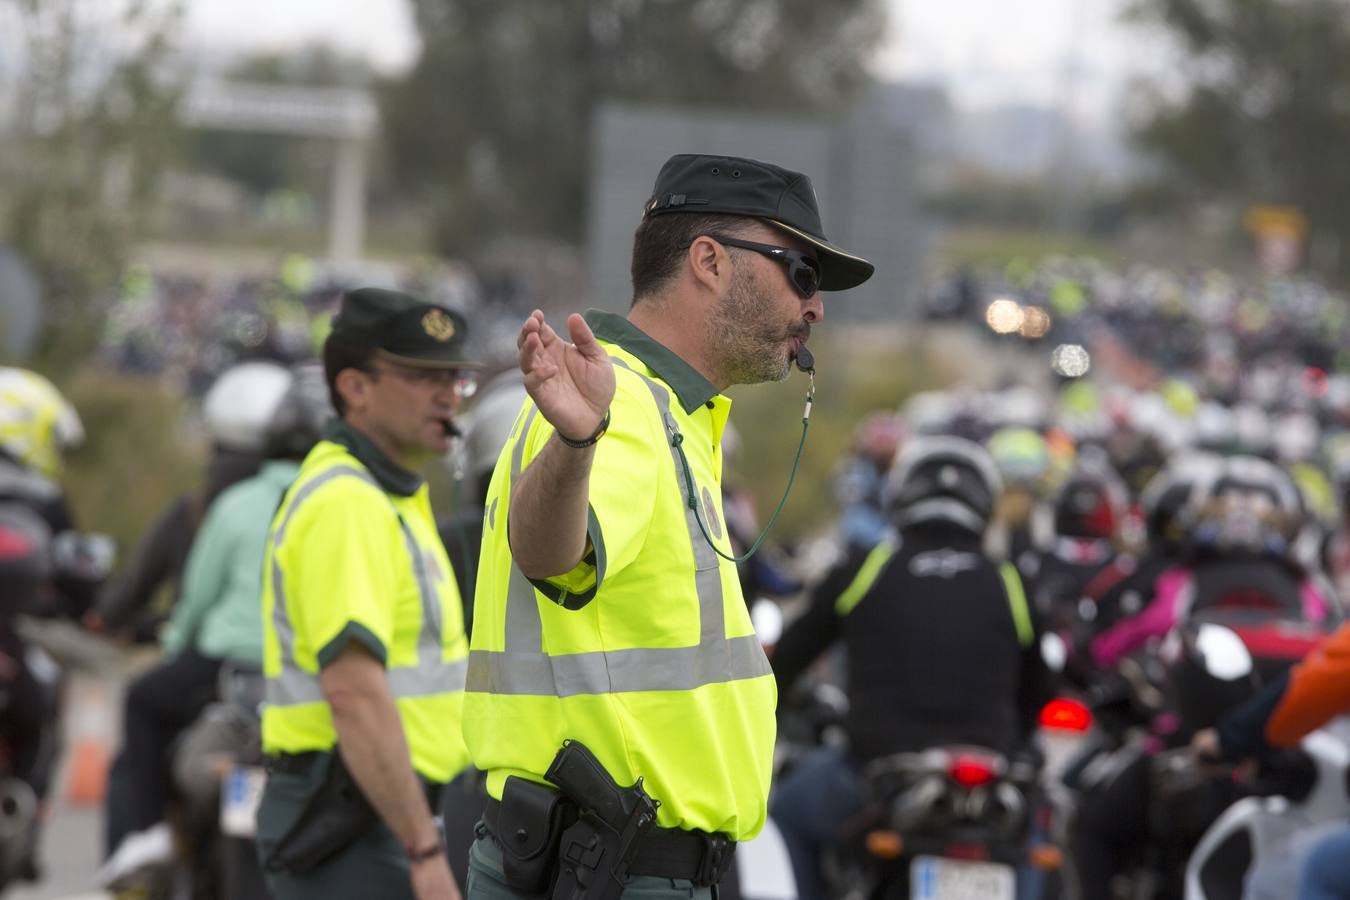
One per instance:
[(987, 52)]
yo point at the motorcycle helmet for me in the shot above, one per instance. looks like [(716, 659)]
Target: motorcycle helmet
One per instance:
[(240, 404), (488, 425), (1250, 505), (1022, 457), (1091, 502), (1168, 494), (943, 479), (300, 414), (37, 424)]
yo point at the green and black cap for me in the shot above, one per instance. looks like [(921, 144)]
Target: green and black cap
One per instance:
[(731, 185), (404, 329)]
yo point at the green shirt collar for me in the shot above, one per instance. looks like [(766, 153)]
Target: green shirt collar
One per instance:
[(391, 476), (690, 387)]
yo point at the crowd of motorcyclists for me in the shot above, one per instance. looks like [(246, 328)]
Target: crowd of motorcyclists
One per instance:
[(1054, 540)]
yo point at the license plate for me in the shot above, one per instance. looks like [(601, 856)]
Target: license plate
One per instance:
[(240, 795), (931, 878)]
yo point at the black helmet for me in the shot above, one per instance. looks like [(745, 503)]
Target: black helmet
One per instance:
[(25, 558), (1091, 502), (297, 421), (1168, 494), (943, 479)]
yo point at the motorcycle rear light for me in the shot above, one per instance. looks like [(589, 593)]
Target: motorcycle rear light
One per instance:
[(885, 844), (14, 545), (971, 771), (971, 852), (1064, 714)]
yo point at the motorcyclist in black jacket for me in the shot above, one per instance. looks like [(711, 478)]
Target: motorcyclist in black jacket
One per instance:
[(940, 640)]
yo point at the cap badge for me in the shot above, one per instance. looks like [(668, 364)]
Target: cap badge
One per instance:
[(438, 325)]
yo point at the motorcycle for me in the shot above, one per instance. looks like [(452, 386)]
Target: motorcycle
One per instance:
[(31, 681), (947, 822)]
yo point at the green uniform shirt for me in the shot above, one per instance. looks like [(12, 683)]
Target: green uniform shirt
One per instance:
[(219, 611), (645, 652), (353, 555)]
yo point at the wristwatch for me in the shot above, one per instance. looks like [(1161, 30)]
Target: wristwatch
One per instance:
[(581, 445)]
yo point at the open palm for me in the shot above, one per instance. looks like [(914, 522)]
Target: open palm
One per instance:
[(571, 383)]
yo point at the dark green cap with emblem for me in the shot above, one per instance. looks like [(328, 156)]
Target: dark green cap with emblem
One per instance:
[(731, 185), (404, 329)]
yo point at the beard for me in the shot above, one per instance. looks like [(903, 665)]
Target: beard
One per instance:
[(750, 343)]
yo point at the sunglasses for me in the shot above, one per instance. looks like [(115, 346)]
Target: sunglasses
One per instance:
[(803, 271), (464, 382)]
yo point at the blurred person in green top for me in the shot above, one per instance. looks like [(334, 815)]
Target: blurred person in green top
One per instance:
[(217, 621)]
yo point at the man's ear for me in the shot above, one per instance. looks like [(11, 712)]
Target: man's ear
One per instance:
[(354, 387), (710, 264)]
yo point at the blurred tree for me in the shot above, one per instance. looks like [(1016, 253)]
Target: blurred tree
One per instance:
[(266, 162), (1260, 112), (491, 127), (89, 121)]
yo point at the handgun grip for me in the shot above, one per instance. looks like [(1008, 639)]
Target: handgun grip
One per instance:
[(579, 775)]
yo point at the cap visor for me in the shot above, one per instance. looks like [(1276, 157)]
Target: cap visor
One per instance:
[(417, 362), (839, 269)]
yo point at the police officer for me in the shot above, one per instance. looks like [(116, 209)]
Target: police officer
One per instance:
[(604, 614), (364, 647)]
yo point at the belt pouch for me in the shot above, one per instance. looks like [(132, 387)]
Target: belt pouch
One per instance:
[(530, 823), (334, 816)]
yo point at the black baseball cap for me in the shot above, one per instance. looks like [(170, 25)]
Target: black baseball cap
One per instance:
[(404, 329), (732, 185)]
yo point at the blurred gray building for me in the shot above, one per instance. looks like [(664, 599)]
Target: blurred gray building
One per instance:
[(864, 167)]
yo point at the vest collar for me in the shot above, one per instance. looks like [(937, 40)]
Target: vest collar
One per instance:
[(692, 389), (392, 477)]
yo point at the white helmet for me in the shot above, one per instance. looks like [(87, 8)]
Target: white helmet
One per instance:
[(489, 423), (37, 423), (240, 405)]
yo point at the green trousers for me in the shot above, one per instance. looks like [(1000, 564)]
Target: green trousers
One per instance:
[(374, 866), (486, 881)]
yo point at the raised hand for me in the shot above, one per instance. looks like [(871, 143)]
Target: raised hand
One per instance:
[(571, 383)]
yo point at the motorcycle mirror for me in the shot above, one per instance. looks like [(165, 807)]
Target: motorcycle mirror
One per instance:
[(1053, 651), (767, 619), (1223, 654)]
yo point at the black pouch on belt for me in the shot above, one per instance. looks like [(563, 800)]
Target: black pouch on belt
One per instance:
[(336, 814), (530, 823)]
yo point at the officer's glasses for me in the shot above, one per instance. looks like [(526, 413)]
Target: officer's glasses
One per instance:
[(464, 382), (803, 271)]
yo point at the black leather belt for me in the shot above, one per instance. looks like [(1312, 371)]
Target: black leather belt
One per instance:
[(292, 763), (301, 763), (698, 856)]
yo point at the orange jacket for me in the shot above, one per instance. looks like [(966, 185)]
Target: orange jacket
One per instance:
[(1318, 691)]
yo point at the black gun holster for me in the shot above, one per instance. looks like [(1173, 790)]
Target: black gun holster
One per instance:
[(334, 816), (529, 826)]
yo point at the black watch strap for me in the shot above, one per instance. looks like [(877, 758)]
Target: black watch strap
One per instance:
[(590, 441)]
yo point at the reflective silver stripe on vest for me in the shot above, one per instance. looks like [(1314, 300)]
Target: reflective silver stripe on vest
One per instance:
[(523, 668), (524, 631), (430, 676)]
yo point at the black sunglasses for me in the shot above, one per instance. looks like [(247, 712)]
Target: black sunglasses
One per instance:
[(803, 271)]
